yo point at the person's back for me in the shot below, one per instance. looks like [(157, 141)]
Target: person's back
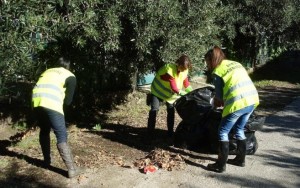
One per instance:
[(238, 90), (49, 91)]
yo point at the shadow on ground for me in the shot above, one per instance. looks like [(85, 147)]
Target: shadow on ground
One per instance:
[(13, 177)]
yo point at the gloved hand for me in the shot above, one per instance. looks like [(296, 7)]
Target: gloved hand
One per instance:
[(188, 89), (181, 93)]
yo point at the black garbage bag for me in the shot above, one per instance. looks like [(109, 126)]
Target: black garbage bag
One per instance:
[(254, 123), (198, 129), (194, 105)]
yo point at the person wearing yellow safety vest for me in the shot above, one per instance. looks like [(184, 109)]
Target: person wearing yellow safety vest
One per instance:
[(236, 93), (168, 86), (54, 89)]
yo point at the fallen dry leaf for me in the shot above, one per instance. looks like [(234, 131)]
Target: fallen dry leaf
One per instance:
[(81, 178), (161, 158)]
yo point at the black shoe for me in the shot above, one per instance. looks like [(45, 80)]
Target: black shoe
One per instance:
[(216, 167), (236, 162)]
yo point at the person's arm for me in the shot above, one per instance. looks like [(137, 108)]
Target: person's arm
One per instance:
[(187, 85), (219, 84), (169, 78), (70, 85)]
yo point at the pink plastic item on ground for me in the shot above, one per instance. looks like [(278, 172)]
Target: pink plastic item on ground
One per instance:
[(150, 169)]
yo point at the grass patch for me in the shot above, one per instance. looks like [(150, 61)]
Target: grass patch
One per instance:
[(20, 126), (135, 106), (32, 141), (97, 127), (28, 142), (4, 163), (276, 83)]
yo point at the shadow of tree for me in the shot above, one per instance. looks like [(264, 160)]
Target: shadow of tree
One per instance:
[(4, 151), (134, 137), (192, 156), (249, 181), (15, 179), (276, 97), (285, 121), (283, 160)]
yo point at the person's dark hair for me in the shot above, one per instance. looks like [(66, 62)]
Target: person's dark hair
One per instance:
[(64, 62), (214, 57), (184, 61)]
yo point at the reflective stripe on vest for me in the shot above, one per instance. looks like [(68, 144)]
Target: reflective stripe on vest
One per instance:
[(238, 97), (239, 91), (48, 86), (49, 91), (47, 95), (159, 88)]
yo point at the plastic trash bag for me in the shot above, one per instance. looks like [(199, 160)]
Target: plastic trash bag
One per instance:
[(192, 106), (198, 129)]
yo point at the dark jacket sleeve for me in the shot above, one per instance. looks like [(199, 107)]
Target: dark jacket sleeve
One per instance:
[(70, 85), (219, 84)]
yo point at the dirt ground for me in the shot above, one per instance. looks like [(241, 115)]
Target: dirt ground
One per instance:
[(114, 144)]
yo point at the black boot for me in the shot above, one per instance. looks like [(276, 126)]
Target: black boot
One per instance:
[(148, 138), (220, 165), (170, 120), (239, 160), (151, 122), (45, 146), (66, 155)]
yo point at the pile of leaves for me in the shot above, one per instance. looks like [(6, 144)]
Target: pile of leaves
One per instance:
[(162, 159)]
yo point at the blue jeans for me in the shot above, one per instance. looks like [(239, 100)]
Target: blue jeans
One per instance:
[(48, 119), (236, 121)]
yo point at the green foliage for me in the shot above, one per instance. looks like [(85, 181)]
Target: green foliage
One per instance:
[(166, 29), (110, 41), (97, 127), (21, 125), (264, 27)]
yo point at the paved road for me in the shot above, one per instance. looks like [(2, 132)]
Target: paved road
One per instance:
[(275, 164)]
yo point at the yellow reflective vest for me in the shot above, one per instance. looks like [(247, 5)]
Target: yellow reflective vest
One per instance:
[(49, 91), (239, 90), (162, 89)]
